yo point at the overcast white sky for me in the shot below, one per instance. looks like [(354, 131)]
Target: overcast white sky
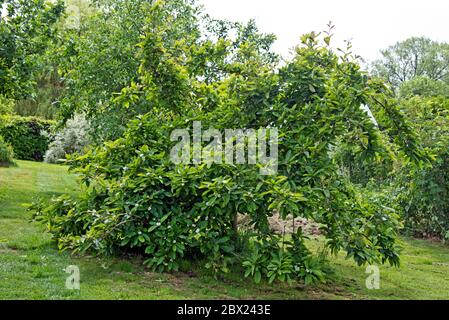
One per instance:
[(371, 25)]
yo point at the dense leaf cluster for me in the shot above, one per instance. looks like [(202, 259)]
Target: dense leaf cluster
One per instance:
[(424, 190), (26, 29), (27, 135)]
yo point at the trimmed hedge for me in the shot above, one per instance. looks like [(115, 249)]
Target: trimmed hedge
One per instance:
[(27, 135)]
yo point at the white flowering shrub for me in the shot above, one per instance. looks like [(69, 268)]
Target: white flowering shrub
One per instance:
[(72, 139)]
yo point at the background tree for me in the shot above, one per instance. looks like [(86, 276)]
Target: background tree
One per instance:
[(418, 70), (423, 192), (26, 30), (100, 59), (49, 82), (414, 57), (424, 87)]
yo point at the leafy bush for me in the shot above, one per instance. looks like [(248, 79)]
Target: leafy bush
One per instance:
[(419, 194), (74, 137), (6, 154), (135, 199), (424, 87), (27, 135), (424, 191)]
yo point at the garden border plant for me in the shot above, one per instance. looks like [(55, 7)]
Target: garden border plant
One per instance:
[(29, 136)]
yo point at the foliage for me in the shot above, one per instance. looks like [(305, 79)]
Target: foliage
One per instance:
[(414, 57), (26, 30), (47, 83), (6, 154), (73, 138), (424, 87), (294, 261), (99, 59), (417, 68), (102, 58), (43, 102), (6, 105), (27, 135), (424, 191), (136, 199)]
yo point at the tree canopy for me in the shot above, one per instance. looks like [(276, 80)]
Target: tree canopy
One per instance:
[(414, 57), (26, 30)]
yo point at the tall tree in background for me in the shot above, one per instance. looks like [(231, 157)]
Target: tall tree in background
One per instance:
[(26, 28), (414, 57), (44, 101), (100, 59)]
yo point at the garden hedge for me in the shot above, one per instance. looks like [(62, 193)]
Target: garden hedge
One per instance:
[(27, 135)]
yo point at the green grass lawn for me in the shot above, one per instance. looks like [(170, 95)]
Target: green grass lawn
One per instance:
[(32, 268)]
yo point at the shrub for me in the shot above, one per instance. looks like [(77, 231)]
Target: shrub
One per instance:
[(135, 199), (424, 198), (138, 200), (73, 138), (424, 87), (27, 135), (424, 191), (6, 105), (6, 154)]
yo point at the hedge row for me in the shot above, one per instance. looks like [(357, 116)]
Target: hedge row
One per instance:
[(27, 135)]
